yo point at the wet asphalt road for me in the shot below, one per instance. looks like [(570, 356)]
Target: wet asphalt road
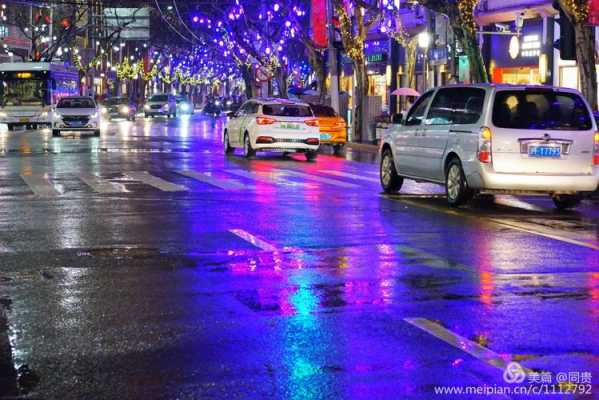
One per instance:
[(145, 264)]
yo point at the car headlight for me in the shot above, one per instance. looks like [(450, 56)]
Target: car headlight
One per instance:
[(217, 103), (94, 115), (185, 107), (103, 110), (44, 114), (125, 109), (57, 116), (147, 107), (3, 114)]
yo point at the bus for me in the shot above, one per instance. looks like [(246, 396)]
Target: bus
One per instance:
[(29, 91)]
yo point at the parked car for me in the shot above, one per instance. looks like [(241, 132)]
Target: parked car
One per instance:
[(273, 125), (76, 113), (333, 129), (537, 140), (184, 105), (161, 105), (119, 107)]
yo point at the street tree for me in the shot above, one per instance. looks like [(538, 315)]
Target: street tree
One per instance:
[(461, 19), (356, 19), (577, 11)]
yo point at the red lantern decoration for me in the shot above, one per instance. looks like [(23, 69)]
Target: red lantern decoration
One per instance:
[(318, 20), (593, 12), (65, 23)]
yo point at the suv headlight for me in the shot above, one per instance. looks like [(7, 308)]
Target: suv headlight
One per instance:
[(147, 107), (103, 110), (124, 109), (94, 115)]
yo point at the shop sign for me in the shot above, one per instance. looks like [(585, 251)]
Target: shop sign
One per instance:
[(376, 58), (438, 55)]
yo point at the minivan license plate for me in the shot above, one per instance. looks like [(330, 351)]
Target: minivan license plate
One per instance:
[(544, 151)]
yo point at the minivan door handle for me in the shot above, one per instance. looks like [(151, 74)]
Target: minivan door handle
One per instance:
[(459, 131)]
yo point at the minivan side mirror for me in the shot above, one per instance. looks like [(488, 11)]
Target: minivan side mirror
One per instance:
[(397, 119)]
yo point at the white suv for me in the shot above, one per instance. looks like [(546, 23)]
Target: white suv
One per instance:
[(273, 125), (496, 139), (76, 113)]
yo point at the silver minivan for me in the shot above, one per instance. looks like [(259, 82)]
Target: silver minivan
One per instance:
[(533, 140)]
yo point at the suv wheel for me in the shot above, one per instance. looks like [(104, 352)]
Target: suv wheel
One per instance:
[(456, 186), (390, 181), (227, 144), (247, 147), (566, 201)]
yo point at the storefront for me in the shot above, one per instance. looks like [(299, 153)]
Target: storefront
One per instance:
[(378, 81), (518, 59)]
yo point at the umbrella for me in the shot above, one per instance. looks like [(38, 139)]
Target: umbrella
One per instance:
[(405, 91)]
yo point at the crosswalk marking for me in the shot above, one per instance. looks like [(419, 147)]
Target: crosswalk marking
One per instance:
[(321, 179), (207, 177), (103, 186), (264, 178), (352, 176), (256, 241), (154, 181), (41, 186)]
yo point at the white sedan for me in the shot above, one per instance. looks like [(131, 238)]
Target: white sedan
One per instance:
[(273, 125), (76, 113)]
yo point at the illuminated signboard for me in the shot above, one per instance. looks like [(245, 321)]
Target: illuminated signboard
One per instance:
[(531, 46), (24, 75), (374, 58)]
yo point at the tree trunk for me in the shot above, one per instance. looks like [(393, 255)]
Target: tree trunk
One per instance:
[(282, 82), (316, 60), (246, 73), (360, 97), (478, 72), (585, 59), (411, 62)]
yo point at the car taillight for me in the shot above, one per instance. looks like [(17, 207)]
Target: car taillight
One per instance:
[(312, 122), (265, 120), (484, 145), (596, 149), (313, 141), (265, 139), (339, 124)]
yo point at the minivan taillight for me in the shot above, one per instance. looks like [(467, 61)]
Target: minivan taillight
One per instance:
[(265, 121), (596, 149), (484, 145)]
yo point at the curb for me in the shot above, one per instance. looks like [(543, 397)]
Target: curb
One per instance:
[(371, 148)]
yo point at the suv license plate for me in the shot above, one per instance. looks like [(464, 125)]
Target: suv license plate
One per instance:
[(544, 151)]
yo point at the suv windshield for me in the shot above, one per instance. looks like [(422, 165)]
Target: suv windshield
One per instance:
[(117, 100), (159, 97), (540, 109), (286, 110), (76, 103), (323, 111)]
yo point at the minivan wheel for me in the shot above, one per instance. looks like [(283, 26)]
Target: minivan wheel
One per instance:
[(247, 147), (227, 144), (456, 186), (390, 181), (566, 201)]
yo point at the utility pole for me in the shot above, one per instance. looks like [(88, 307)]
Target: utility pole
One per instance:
[(333, 69)]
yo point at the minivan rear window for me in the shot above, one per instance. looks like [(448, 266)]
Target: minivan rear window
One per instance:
[(286, 110), (540, 109)]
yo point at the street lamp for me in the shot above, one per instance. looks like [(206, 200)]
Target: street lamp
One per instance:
[(424, 41)]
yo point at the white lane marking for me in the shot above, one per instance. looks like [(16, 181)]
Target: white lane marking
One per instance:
[(352, 176), (207, 177), (41, 186), (269, 178), (375, 173), (154, 181), (100, 185), (320, 179), (474, 349), (256, 241)]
